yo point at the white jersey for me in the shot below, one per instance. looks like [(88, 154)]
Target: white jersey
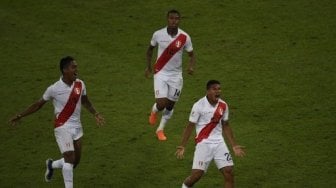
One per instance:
[(202, 113), (59, 92), (162, 39)]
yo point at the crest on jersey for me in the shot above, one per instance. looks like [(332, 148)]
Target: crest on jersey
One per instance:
[(221, 111), (178, 44), (77, 91)]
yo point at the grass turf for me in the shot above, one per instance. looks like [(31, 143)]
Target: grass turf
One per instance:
[(275, 61)]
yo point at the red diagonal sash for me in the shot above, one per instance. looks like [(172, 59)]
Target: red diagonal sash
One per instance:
[(205, 132), (169, 52), (70, 106)]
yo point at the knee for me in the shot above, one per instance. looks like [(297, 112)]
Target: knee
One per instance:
[(160, 104), (228, 173), (169, 108), (170, 105), (193, 178), (69, 157), (196, 176)]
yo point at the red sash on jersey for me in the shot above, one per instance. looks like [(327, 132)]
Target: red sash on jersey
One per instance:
[(205, 132), (169, 52), (70, 106)]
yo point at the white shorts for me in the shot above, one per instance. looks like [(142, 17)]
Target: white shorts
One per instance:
[(206, 152), (168, 87), (65, 137)]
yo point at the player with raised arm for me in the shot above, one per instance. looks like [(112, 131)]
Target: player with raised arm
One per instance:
[(67, 94), (210, 116)]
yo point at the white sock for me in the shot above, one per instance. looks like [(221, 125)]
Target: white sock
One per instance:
[(154, 108), (58, 164), (184, 186), (67, 172), (166, 115), (162, 125)]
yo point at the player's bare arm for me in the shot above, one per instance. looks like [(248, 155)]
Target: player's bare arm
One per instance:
[(149, 55), (191, 64), (186, 135), (88, 105), (31, 109), (228, 134)]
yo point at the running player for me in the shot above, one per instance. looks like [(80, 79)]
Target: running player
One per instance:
[(67, 94), (168, 81)]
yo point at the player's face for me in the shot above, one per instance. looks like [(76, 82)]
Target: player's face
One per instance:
[(71, 71), (173, 20), (213, 93)]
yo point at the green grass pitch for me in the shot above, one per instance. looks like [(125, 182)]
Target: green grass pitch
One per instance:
[(275, 60)]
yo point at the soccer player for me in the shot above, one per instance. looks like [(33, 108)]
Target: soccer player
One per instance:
[(168, 81), (68, 94), (209, 116)]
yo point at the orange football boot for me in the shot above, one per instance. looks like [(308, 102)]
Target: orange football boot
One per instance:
[(161, 136), (153, 118)]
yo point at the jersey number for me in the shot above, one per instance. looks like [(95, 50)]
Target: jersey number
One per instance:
[(177, 93), (228, 157)]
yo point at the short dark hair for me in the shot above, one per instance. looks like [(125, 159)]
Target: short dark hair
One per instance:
[(173, 11), (211, 82), (65, 62)]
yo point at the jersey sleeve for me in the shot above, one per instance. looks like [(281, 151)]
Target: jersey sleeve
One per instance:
[(188, 46), (48, 94), (194, 114), (83, 88), (153, 41), (226, 114)]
